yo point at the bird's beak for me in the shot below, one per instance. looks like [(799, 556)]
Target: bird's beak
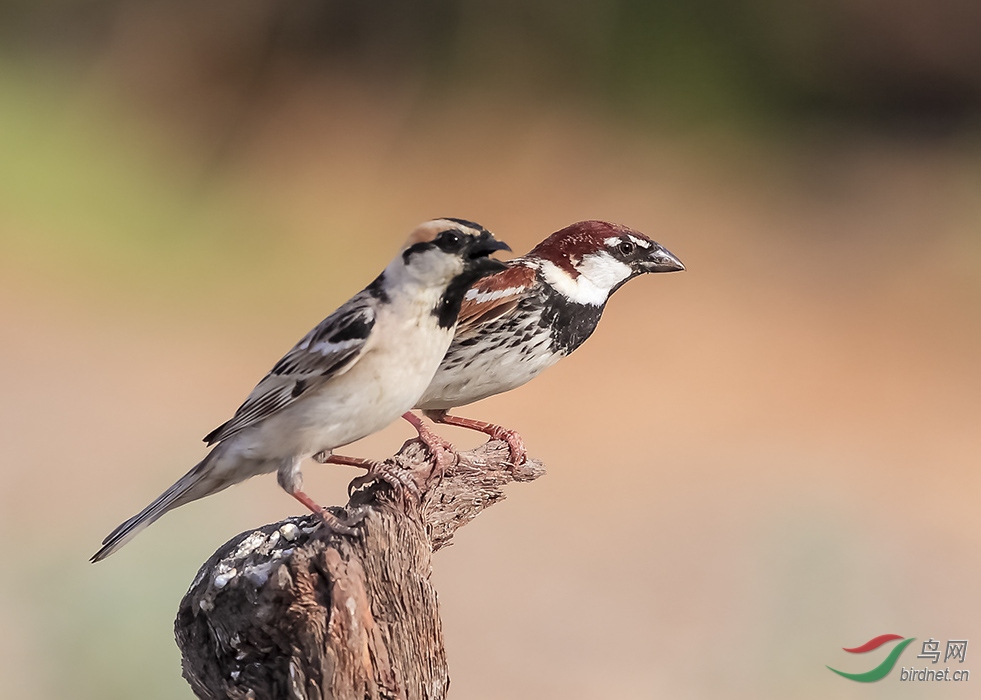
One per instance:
[(485, 245), (662, 260), (479, 254)]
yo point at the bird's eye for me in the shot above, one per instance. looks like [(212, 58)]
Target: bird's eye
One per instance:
[(626, 247), (449, 240)]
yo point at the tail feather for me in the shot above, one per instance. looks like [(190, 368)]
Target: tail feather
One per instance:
[(189, 487)]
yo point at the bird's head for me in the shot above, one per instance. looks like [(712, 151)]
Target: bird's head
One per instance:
[(589, 260), (445, 251)]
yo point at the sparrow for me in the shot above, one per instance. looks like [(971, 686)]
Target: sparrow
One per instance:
[(361, 368), (518, 322)]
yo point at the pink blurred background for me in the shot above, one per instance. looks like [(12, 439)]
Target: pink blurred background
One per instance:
[(751, 465)]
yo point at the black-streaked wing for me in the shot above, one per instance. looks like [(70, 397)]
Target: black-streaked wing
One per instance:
[(327, 351), (494, 296)]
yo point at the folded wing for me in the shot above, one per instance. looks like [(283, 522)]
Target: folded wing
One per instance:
[(494, 296), (330, 349)]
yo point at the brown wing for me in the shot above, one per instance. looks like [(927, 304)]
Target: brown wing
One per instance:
[(494, 296)]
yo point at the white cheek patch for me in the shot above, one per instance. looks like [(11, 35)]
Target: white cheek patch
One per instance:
[(482, 297), (603, 270), (598, 274), (433, 266)]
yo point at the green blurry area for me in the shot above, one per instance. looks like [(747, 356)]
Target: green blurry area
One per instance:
[(707, 60), (123, 122), (91, 194)]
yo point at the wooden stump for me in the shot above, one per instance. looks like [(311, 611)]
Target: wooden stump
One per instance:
[(293, 611)]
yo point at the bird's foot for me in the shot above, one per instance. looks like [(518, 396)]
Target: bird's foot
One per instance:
[(443, 451), (400, 480), (345, 526), (516, 445), (333, 522)]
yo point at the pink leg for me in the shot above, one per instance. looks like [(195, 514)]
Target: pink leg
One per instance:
[(517, 446), (348, 461), (433, 441), (331, 520)]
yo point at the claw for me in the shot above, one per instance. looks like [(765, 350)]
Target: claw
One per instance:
[(433, 442), (334, 523), (516, 445), (397, 479)]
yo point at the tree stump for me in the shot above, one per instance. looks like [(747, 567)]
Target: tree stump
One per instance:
[(294, 611)]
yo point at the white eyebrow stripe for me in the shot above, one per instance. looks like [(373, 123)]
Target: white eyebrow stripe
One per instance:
[(613, 240), (480, 297)]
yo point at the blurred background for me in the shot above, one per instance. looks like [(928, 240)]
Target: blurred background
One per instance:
[(751, 465)]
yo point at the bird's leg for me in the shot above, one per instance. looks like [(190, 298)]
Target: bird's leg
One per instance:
[(291, 479), (433, 442), (515, 444), (375, 470), (326, 457), (330, 520)]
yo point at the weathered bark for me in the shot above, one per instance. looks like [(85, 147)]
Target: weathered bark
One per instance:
[(294, 611)]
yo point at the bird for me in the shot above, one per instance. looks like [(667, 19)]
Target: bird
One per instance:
[(354, 373), (518, 322)]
